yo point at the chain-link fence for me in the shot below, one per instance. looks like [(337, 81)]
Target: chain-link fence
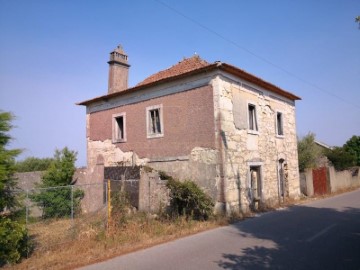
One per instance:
[(57, 215)]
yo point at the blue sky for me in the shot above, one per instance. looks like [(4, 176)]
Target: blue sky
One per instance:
[(54, 54)]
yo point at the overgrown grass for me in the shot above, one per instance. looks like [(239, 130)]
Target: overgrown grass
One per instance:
[(92, 242), (67, 244)]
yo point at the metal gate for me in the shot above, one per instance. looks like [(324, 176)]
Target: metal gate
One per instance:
[(320, 181)]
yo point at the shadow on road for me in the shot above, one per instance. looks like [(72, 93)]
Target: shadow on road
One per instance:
[(301, 237)]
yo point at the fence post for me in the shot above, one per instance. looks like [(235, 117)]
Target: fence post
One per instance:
[(109, 203), (27, 207), (72, 205)]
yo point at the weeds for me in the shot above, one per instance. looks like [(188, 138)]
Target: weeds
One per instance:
[(92, 242)]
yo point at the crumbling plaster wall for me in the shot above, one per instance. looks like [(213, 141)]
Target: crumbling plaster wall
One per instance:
[(187, 149), (240, 149), (107, 154), (200, 166)]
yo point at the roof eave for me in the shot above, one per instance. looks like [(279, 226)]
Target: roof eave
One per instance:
[(217, 65), (139, 87), (256, 80)]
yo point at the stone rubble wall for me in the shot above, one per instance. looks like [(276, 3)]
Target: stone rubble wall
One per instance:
[(240, 149), (201, 167)]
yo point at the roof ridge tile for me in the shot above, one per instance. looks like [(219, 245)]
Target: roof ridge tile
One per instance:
[(183, 66)]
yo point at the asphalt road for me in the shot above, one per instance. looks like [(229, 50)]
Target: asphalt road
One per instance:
[(323, 234)]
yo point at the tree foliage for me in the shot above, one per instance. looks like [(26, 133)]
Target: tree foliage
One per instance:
[(340, 158), (32, 164), (352, 146), (13, 241), (308, 152), (7, 164), (13, 235), (57, 197), (186, 198), (357, 20)]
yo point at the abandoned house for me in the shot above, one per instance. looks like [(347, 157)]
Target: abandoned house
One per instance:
[(231, 132)]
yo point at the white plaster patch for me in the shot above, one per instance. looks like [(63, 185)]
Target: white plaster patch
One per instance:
[(204, 155), (111, 154)]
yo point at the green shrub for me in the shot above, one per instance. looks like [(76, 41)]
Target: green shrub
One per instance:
[(13, 241), (32, 164), (186, 198), (352, 146), (340, 158), (59, 202), (56, 196)]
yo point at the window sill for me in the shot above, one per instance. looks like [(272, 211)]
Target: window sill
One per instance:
[(154, 136), (119, 141), (253, 132), (280, 136)]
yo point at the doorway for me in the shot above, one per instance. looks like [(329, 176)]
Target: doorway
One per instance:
[(255, 185)]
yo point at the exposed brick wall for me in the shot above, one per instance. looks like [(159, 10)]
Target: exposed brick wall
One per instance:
[(188, 123)]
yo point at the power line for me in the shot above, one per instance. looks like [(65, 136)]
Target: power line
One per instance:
[(255, 55)]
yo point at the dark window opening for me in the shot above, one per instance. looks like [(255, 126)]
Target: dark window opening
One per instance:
[(120, 134), (279, 124), (252, 117)]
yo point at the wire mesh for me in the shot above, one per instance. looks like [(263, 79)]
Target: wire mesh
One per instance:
[(57, 215)]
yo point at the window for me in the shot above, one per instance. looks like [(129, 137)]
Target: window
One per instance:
[(119, 127), (154, 121), (253, 126), (279, 124)]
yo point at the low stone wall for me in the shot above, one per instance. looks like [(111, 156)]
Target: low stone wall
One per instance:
[(28, 180), (153, 193), (340, 180)]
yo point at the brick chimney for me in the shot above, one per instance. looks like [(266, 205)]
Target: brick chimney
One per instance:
[(118, 71)]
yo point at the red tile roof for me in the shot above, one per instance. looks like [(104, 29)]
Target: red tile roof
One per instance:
[(191, 66), (184, 66)]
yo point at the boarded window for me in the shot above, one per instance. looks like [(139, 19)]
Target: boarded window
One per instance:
[(239, 110)]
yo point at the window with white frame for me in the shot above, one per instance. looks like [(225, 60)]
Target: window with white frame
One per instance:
[(154, 121), (119, 127), (279, 124), (253, 125)]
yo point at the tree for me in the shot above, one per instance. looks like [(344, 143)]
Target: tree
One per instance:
[(7, 164), (357, 20), (352, 146), (340, 158), (308, 152), (57, 197), (13, 235), (32, 164)]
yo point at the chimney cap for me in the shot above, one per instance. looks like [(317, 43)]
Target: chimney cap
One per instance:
[(119, 49), (118, 56)]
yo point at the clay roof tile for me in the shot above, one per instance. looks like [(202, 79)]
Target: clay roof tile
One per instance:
[(184, 66)]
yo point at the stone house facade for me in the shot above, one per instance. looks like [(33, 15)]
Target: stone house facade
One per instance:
[(229, 131)]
